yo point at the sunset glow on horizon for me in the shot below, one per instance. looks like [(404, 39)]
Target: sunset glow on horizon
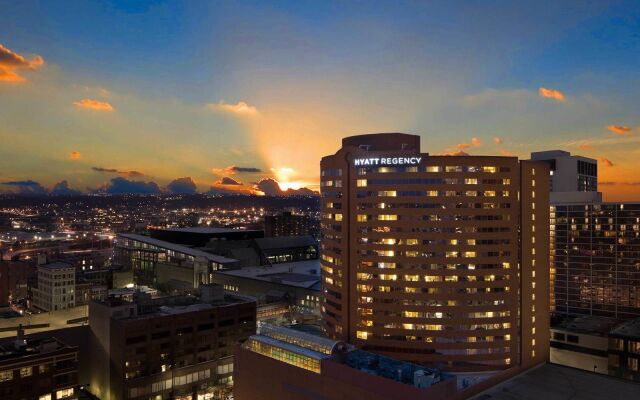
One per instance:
[(190, 89)]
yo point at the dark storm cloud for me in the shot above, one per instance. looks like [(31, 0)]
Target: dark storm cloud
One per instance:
[(182, 186), (228, 181), (26, 187), (244, 169), (62, 189), (124, 186), (130, 174)]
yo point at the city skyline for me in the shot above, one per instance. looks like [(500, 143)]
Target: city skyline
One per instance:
[(108, 95)]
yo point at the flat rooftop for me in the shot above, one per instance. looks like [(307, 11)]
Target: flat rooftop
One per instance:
[(32, 347), (205, 230), (178, 248), (386, 367), (56, 265), (629, 329), (588, 324), (555, 382), (171, 305), (303, 274)]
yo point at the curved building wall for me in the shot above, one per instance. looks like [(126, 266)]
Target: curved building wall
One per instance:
[(420, 254)]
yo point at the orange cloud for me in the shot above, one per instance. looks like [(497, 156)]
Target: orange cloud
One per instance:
[(453, 153), (11, 63), (619, 129), (74, 155), (551, 94), (93, 104), (497, 140), (605, 162), (240, 108), (462, 146), (584, 146), (475, 141)]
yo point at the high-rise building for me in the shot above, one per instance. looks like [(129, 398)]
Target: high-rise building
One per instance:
[(178, 347), (571, 178), (595, 255), (56, 287), (440, 260), (287, 224), (594, 245)]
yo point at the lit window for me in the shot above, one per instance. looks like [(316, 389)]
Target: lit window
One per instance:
[(26, 371), (362, 335), (338, 217), (64, 393), (361, 218), (6, 375), (361, 182), (490, 169), (45, 397)]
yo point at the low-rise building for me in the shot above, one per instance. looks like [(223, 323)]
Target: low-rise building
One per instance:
[(282, 363), (39, 369), (624, 350), (142, 255), (178, 347), (56, 287), (581, 342), (297, 283), (14, 280)]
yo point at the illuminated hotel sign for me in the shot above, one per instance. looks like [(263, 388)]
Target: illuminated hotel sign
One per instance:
[(387, 161)]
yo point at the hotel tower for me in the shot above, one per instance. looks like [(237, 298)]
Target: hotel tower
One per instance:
[(437, 260)]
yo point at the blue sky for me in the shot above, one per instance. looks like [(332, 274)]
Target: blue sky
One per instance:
[(195, 87)]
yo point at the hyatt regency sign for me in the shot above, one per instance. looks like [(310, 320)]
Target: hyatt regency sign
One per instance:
[(387, 161)]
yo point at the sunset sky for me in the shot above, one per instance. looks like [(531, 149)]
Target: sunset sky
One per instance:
[(229, 93)]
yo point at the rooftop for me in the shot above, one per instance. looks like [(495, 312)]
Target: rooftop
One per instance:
[(57, 265), (629, 329), (178, 248), (323, 349), (555, 382), (148, 306), (204, 230), (285, 242), (304, 274), (386, 367), (588, 324), (29, 347)]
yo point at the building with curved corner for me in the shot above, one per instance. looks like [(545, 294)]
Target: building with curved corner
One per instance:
[(435, 259)]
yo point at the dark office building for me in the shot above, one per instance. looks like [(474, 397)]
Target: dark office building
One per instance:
[(287, 224), (40, 369), (14, 280), (178, 347), (595, 250), (624, 350), (199, 236)]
